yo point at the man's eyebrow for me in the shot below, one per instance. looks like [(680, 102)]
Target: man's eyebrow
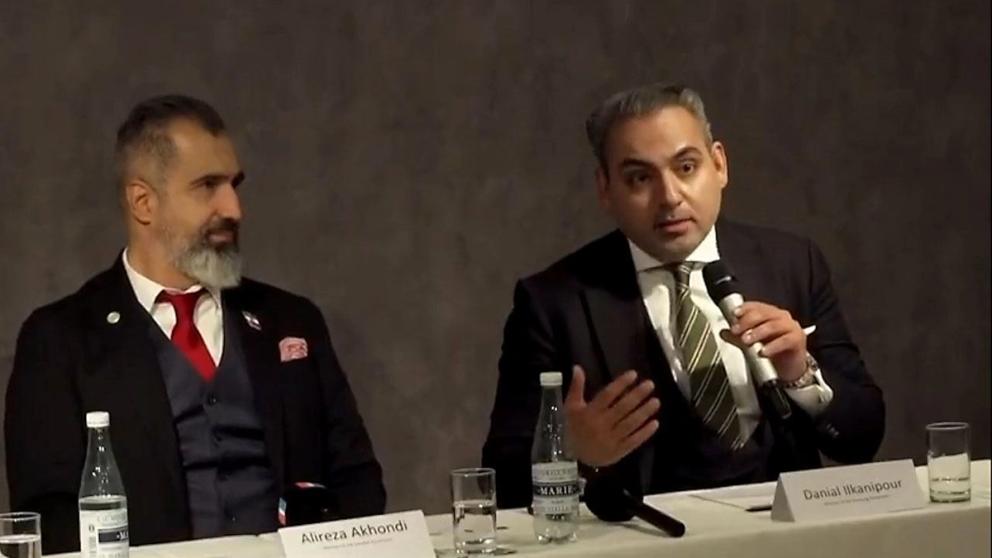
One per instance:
[(634, 162), (687, 151)]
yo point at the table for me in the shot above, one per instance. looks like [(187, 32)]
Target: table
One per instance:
[(713, 529)]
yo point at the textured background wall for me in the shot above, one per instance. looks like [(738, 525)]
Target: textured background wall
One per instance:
[(408, 160)]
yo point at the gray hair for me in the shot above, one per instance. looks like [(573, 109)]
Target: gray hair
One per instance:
[(640, 101), (144, 132)]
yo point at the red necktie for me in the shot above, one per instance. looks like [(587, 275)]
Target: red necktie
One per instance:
[(185, 336)]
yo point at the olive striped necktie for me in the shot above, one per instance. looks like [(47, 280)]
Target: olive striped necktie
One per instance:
[(710, 389)]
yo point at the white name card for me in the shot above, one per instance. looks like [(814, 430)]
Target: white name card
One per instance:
[(396, 534), (847, 491)]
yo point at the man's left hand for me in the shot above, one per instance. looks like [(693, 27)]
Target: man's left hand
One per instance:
[(783, 338)]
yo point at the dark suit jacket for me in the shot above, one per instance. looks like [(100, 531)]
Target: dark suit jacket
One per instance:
[(70, 359), (587, 309)]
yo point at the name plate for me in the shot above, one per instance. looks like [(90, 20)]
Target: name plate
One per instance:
[(395, 534), (847, 491)]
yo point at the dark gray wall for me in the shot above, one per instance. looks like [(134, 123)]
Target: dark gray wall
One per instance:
[(409, 160)]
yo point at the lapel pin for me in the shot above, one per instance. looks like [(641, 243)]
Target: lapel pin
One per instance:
[(252, 321), (113, 317)]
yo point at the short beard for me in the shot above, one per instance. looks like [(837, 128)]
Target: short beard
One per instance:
[(215, 267)]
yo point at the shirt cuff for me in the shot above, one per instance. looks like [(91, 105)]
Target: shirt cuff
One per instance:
[(813, 398)]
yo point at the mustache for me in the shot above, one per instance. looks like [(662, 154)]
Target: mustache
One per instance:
[(221, 225)]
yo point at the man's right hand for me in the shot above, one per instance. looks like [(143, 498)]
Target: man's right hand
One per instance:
[(616, 422)]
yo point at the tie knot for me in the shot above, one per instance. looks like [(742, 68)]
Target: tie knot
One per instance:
[(682, 270), (184, 303)]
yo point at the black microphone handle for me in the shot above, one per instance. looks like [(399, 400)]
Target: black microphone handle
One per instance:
[(774, 396), (658, 518), (775, 405)]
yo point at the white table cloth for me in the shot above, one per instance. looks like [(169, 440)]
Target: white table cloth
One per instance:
[(713, 529)]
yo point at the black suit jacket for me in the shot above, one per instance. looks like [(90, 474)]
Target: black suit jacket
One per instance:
[(587, 309), (71, 359)]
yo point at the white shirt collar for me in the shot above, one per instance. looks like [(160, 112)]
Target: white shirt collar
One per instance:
[(706, 252), (147, 291)]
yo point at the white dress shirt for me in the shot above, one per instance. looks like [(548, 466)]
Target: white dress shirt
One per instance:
[(658, 291), (208, 316)]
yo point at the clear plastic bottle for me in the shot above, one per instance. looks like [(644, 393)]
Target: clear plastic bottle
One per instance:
[(554, 471), (102, 502)]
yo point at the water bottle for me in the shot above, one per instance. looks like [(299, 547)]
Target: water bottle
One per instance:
[(554, 471), (102, 502)]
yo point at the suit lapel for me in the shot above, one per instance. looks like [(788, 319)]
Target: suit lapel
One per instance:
[(256, 330), (617, 322), (122, 375), (620, 324), (742, 254)]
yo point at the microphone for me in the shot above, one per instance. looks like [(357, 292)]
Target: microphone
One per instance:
[(612, 503), (303, 503), (724, 289)]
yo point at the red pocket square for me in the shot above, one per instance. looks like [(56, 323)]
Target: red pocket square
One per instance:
[(292, 348)]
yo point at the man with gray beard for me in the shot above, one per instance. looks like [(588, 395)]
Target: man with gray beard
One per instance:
[(224, 393)]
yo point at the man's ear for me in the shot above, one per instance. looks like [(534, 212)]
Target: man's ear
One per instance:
[(602, 188), (719, 155), (141, 200)]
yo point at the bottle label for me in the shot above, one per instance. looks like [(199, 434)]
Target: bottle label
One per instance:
[(103, 534), (556, 487)]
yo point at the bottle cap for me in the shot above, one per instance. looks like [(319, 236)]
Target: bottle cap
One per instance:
[(550, 379), (97, 419)]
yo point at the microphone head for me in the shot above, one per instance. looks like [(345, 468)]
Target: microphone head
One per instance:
[(607, 501), (306, 503), (720, 281)]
